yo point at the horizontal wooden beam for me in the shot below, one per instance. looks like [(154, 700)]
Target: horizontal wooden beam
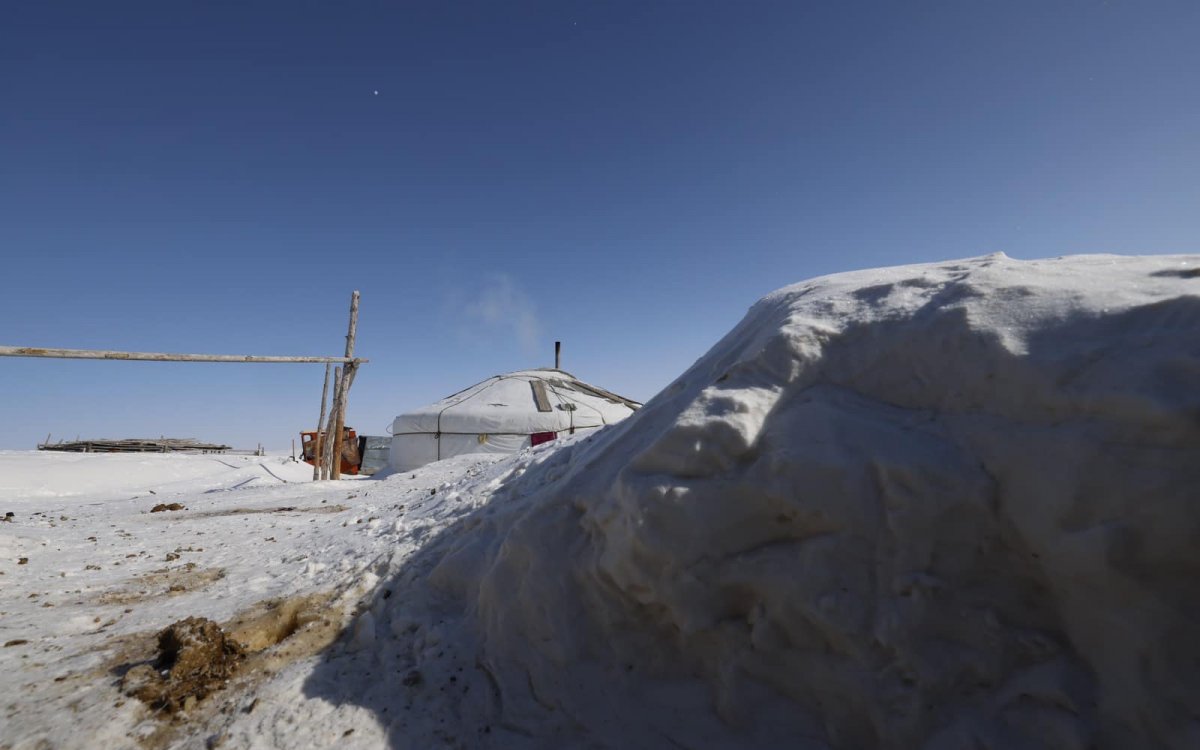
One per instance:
[(30, 351)]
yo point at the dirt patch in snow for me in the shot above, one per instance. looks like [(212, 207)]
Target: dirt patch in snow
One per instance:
[(280, 509), (162, 582), (195, 669), (273, 621), (195, 658)]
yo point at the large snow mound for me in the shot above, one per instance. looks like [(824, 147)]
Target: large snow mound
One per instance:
[(939, 506)]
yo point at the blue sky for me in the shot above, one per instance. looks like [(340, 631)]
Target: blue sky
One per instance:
[(625, 177)]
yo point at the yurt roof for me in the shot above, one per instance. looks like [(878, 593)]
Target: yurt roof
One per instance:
[(522, 402)]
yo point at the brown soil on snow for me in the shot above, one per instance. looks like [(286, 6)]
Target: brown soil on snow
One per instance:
[(199, 668), (250, 511), (195, 657), (162, 582)]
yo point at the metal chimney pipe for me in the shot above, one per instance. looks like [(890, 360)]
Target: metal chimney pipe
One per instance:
[(557, 355)]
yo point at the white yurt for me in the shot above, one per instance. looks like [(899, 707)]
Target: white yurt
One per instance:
[(503, 414)]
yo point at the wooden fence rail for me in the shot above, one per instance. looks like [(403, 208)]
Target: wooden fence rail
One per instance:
[(31, 351), (333, 425)]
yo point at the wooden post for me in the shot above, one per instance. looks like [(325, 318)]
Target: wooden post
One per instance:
[(317, 454), (327, 427), (344, 391), (336, 426), (337, 423), (557, 355)]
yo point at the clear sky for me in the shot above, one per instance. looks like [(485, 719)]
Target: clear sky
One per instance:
[(627, 177)]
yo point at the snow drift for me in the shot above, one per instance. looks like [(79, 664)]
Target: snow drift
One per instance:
[(933, 506)]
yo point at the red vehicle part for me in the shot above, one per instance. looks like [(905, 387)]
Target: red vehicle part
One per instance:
[(351, 455)]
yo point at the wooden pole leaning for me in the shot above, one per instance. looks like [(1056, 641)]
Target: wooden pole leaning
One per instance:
[(348, 371), (327, 427), (317, 454)]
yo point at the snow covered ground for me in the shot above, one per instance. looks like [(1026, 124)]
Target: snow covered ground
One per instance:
[(88, 573), (938, 506)]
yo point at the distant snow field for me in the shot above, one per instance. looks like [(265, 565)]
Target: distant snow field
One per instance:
[(937, 506), (112, 476)]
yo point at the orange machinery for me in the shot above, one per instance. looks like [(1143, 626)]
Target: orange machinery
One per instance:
[(351, 453)]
